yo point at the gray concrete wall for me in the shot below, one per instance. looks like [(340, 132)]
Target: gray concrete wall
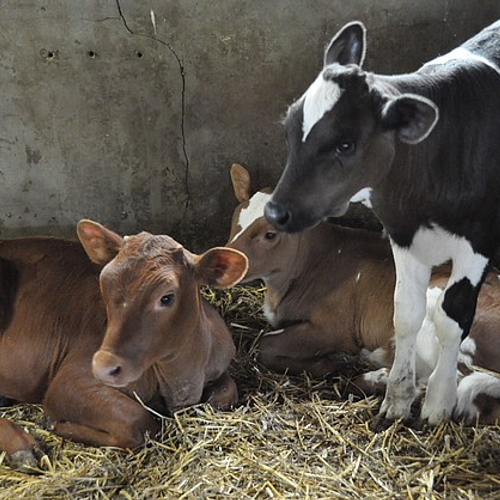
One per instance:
[(130, 112)]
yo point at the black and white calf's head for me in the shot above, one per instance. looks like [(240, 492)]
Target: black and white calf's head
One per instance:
[(341, 135)]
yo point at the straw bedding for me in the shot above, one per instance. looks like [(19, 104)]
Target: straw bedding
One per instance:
[(290, 437)]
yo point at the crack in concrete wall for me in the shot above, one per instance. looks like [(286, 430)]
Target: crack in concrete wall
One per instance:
[(183, 102)]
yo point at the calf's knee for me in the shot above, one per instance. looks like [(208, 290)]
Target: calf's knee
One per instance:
[(270, 349), (223, 393), (132, 432)]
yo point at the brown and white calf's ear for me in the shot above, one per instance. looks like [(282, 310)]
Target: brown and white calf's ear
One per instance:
[(241, 182), (221, 267), (347, 46), (412, 116), (100, 243)]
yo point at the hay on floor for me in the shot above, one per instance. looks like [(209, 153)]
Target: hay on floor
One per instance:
[(290, 437)]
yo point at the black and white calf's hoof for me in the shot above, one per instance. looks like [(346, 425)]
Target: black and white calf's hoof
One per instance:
[(438, 406), (382, 422), (400, 404)]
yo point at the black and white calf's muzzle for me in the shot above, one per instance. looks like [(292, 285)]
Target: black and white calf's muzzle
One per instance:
[(277, 215), (291, 221)]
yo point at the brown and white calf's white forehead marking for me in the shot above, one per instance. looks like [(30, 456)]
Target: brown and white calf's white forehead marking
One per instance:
[(254, 211), (318, 99)]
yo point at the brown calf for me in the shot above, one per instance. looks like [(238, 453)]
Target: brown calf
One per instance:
[(83, 357), (330, 296)]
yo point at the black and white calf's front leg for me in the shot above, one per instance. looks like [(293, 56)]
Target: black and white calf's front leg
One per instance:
[(450, 318), (412, 279)]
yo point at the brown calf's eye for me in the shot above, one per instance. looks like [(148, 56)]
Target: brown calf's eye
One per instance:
[(270, 235), (167, 300)]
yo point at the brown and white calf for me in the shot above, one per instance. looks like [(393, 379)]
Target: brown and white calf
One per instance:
[(83, 339), (424, 148), (330, 296)]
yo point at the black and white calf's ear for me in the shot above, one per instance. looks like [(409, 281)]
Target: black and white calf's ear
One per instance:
[(413, 117), (347, 46)]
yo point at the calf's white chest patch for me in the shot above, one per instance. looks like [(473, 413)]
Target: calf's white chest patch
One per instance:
[(250, 214), (318, 99), (363, 197)]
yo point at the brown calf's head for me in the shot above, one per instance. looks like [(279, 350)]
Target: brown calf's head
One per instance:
[(266, 247), (150, 285)]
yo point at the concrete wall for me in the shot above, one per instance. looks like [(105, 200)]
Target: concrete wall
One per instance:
[(130, 112)]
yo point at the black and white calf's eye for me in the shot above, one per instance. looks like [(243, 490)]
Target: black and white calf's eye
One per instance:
[(167, 299), (345, 147)]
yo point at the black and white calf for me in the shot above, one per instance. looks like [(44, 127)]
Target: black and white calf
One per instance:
[(423, 149)]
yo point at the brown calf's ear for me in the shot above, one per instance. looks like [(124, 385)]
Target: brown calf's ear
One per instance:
[(222, 267), (100, 243), (241, 182)]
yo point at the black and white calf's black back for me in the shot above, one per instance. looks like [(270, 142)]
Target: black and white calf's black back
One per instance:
[(423, 150)]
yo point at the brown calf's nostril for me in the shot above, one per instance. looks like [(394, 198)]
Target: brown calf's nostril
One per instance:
[(115, 371)]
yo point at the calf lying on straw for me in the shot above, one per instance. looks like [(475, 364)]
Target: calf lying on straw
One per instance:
[(87, 327), (330, 297)]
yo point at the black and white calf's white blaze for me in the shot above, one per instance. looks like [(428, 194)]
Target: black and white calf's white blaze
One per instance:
[(423, 150)]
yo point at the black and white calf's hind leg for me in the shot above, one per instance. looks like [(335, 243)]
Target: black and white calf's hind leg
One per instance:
[(452, 318)]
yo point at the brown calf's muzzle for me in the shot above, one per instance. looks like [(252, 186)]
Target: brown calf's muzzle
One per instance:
[(112, 369)]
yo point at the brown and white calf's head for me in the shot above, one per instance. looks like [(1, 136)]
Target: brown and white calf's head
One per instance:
[(341, 136), (150, 285), (267, 249)]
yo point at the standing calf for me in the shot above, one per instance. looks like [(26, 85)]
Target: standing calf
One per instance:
[(83, 357), (329, 293), (424, 148)]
